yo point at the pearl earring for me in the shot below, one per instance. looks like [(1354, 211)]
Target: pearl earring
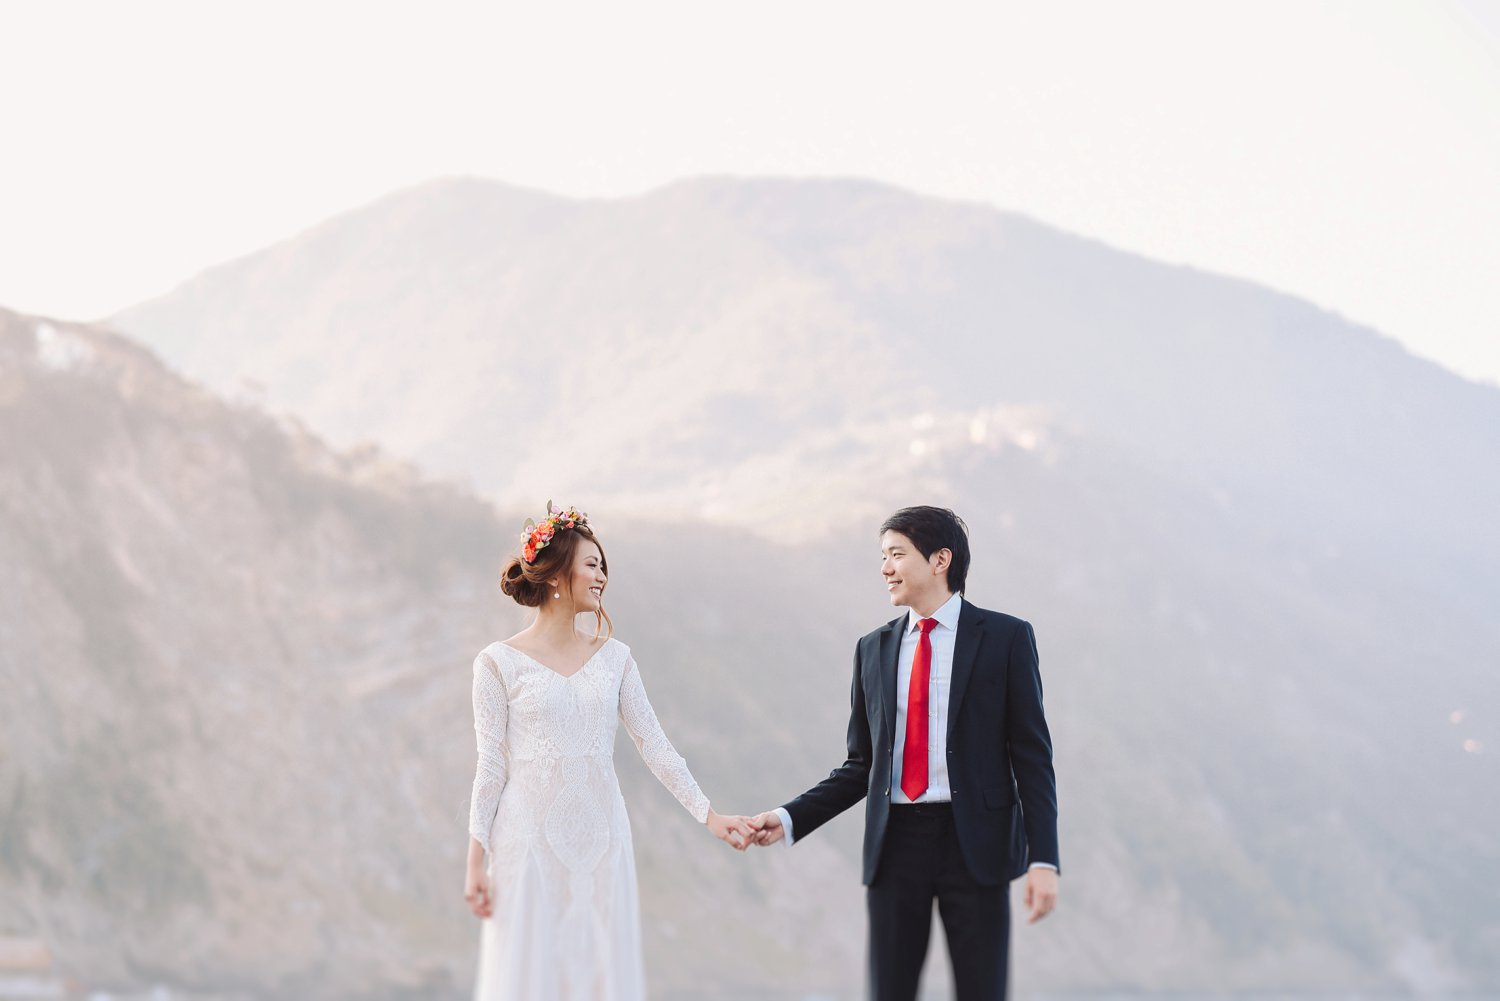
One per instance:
[(557, 594)]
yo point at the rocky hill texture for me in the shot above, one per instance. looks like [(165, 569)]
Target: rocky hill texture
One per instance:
[(235, 742), (1257, 543)]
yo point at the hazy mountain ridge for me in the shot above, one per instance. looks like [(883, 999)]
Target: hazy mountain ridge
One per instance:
[(1164, 852), (236, 745), (704, 323), (1261, 787), (166, 545)]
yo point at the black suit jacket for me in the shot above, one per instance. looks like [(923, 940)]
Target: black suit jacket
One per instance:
[(999, 749)]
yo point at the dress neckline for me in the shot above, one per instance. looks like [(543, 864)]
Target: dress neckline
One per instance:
[(550, 670)]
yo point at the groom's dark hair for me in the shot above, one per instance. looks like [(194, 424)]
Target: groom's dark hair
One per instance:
[(931, 529)]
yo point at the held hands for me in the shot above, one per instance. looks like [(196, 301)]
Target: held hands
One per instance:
[(768, 828), (742, 832), (735, 831)]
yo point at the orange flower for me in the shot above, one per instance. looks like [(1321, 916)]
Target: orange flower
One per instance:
[(535, 537)]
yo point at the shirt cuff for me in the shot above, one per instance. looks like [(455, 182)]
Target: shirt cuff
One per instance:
[(786, 824), (1042, 865)]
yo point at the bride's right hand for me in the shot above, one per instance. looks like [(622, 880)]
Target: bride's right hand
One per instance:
[(477, 892)]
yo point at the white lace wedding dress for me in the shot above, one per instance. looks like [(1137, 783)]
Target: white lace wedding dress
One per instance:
[(547, 807)]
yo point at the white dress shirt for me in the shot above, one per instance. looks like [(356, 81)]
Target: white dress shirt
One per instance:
[(940, 684)]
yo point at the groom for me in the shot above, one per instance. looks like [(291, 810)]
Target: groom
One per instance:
[(948, 741)]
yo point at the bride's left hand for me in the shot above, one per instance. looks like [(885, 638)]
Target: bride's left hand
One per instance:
[(734, 831)]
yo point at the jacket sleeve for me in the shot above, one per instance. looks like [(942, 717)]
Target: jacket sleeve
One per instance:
[(849, 782), (1030, 746)]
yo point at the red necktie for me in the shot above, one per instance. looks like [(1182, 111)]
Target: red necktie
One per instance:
[(914, 757)]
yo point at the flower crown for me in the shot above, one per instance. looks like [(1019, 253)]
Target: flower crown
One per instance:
[(535, 537)]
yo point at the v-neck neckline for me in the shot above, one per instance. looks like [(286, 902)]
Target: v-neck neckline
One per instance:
[(550, 670)]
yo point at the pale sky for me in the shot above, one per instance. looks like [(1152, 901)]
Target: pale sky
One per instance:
[(1348, 152)]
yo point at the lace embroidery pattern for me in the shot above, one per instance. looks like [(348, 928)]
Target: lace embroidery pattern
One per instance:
[(547, 807)]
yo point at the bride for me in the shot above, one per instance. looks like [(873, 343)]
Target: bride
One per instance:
[(551, 870)]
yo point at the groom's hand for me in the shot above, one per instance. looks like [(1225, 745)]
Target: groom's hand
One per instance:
[(1041, 893), (769, 829)]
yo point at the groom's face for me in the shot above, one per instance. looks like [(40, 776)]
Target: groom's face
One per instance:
[(911, 579)]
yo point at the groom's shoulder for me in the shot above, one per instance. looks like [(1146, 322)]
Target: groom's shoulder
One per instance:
[(873, 636), (991, 618)]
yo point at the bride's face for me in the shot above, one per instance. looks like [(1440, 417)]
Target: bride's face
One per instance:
[(587, 579)]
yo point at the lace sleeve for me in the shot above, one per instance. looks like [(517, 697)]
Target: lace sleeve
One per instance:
[(656, 750), (491, 713)]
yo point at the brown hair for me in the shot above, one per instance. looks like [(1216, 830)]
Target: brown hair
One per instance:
[(526, 583)]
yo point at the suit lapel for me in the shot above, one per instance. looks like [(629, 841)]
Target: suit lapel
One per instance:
[(965, 651), (890, 653)]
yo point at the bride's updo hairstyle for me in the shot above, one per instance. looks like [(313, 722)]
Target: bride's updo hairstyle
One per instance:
[(551, 547)]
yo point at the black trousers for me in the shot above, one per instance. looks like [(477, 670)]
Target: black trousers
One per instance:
[(919, 862)]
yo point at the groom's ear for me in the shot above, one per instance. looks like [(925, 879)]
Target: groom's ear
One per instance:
[(940, 561)]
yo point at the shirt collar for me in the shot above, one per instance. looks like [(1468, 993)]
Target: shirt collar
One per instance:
[(947, 614)]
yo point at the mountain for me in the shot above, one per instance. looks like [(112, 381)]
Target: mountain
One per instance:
[(720, 346), (1257, 544), (235, 742)]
